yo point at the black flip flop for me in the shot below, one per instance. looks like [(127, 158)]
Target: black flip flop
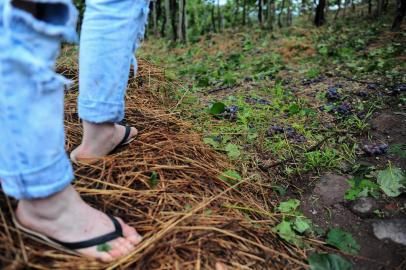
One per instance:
[(70, 247)]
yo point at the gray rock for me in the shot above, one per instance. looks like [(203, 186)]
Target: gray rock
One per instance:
[(363, 206), (331, 188), (393, 229)]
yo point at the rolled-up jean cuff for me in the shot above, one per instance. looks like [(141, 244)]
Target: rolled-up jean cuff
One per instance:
[(39, 183), (100, 112)]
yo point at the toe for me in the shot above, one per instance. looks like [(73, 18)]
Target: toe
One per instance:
[(120, 245), (115, 252), (98, 255), (134, 132), (130, 233)]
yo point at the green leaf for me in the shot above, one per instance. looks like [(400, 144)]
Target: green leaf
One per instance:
[(360, 188), (212, 142), (289, 206), (294, 108), (153, 179), (398, 149), (217, 108), (285, 231), (326, 261), (391, 181), (342, 240), (301, 224), (233, 151), (230, 176), (104, 248), (281, 190)]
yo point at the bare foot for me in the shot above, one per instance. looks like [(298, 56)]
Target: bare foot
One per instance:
[(100, 139), (66, 217)]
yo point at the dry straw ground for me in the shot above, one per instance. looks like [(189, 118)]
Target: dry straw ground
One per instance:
[(190, 219)]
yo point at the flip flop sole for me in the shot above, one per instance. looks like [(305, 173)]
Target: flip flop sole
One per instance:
[(43, 239)]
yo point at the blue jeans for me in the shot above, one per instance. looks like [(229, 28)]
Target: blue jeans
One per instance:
[(33, 161)]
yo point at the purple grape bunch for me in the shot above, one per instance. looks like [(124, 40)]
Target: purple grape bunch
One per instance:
[(362, 94), (332, 94), (253, 101), (312, 81), (399, 88), (344, 109), (230, 113), (372, 86), (375, 149), (290, 133)]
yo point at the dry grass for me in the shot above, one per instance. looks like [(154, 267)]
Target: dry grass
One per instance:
[(189, 220)]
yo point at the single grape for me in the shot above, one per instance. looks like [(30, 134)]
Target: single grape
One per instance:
[(332, 94), (372, 86)]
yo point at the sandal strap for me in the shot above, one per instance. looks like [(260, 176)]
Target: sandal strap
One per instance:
[(124, 140), (126, 135), (118, 232)]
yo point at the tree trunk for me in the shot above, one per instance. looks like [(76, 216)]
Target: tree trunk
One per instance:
[(213, 16), (401, 12), (173, 19), (271, 13), (236, 11), (182, 21), (369, 7), (338, 9), (289, 14), (260, 13), (154, 18), (244, 12), (379, 8), (319, 18), (219, 17), (168, 22), (280, 14)]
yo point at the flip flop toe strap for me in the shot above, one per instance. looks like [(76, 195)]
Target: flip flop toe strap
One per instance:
[(118, 232), (124, 140)]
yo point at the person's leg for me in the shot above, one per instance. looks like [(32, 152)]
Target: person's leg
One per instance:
[(110, 34), (34, 167)]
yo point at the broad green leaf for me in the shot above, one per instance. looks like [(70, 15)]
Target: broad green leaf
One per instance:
[(391, 181), (230, 176), (342, 240), (360, 188), (217, 108), (301, 224), (326, 261), (289, 206), (285, 231), (233, 151)]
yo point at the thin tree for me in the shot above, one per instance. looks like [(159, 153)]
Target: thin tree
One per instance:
[(154, 17), (280, 14), (244, 12), (260, 13), (319, 18), (271, 13), (182, 21), (400, 14)]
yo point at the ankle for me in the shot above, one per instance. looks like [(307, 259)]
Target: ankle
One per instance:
[(49, 208), (93, 132)]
